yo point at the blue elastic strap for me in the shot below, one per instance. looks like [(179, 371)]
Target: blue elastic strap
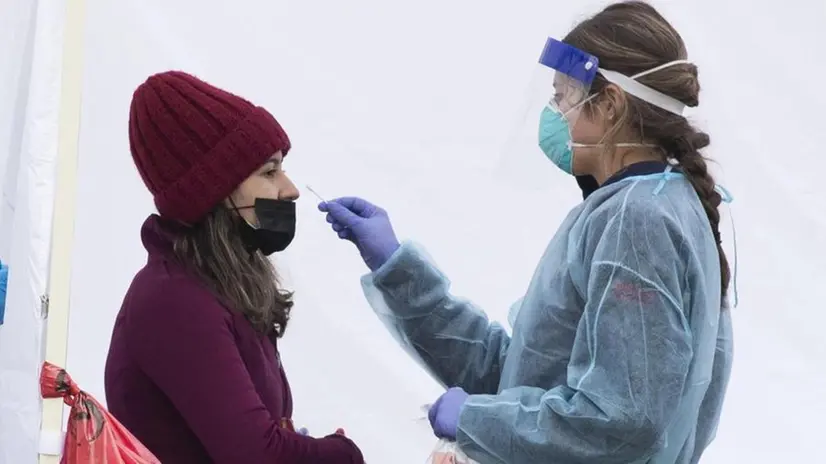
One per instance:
[(569, 60), (4, 278), (734, 277), (728, 198), (661, 184)]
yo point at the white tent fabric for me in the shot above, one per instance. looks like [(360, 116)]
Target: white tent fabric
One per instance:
[(30, 82), (407, 104)]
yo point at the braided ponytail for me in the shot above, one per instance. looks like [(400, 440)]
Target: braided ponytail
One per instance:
[(684, 147)]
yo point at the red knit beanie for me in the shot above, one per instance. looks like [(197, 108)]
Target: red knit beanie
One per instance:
[(193, 143)]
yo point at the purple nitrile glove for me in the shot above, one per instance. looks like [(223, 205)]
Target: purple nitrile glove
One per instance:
[(303, 431), (364, 224), (444, 414)]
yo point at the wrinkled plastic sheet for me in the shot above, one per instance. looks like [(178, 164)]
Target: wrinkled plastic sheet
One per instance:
[(448, 452), (93, 435)]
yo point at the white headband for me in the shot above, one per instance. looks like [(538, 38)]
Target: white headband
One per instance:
[(642, 91)]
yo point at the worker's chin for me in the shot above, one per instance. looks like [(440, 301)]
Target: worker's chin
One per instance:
[(585, 158)]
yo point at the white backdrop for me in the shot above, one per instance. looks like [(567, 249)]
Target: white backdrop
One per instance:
[(30, 63), (407, 105)]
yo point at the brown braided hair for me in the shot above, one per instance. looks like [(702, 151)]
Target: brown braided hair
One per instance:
[(630, 38)]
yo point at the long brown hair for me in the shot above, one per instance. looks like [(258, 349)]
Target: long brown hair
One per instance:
[(247, 282), (630, 38)]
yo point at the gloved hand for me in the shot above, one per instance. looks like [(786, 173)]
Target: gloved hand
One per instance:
[(444, 414), (364, 224), (303, 431)]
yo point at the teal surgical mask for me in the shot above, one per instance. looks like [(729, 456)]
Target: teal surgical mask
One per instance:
[(556, 142), (555, 138)]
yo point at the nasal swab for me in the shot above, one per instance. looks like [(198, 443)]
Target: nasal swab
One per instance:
[(316, 194), (323, 201)]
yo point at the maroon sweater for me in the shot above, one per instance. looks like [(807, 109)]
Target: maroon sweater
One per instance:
[(194, 382)]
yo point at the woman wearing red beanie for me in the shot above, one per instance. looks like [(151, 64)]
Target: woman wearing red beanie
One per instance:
[(193, 369)]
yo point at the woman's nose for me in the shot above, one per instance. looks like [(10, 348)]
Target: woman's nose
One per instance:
[(289, 191)]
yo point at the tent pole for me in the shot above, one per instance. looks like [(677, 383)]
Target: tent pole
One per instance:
[(59, 283)]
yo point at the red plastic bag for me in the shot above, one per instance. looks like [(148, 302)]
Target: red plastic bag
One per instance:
[(94, 436)]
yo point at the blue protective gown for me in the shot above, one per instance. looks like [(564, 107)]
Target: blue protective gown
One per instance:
[(4, 279), (620, 350)]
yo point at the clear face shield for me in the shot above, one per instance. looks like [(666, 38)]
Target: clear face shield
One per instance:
[(540, 145), (540, 142)]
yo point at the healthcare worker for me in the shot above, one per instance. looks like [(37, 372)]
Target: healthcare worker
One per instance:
[(621, 347)]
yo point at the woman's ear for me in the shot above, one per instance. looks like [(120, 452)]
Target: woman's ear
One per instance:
[(613, 103)]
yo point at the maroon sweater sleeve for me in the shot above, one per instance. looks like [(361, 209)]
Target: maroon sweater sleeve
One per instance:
[(183, 340)]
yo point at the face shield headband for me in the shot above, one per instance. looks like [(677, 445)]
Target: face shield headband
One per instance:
[(579, 68)]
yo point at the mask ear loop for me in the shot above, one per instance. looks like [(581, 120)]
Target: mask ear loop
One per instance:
[(238, 209), (251, 229), (579, 105)]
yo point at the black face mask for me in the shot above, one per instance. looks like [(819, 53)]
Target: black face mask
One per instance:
[(276, 226)]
